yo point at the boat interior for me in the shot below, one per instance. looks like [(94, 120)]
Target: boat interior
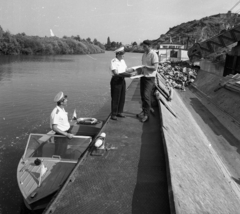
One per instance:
[(57, 155)]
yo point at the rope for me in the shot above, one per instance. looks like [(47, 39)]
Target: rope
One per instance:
[(234, 6)]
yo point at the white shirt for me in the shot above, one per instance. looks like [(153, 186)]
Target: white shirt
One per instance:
[(59, 117), (119, 66), (149, 59)]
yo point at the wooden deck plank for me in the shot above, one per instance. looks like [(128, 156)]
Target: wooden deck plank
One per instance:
[(198, 181)]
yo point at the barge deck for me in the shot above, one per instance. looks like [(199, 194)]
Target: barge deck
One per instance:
[(131, 178), (185, 165)]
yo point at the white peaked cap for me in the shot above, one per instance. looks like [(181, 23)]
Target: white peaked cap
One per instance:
[(58, 97), (119, 50)]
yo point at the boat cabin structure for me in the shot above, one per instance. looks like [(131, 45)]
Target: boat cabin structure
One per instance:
[(172, 52)]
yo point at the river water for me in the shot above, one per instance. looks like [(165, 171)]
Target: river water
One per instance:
[(28, 85)]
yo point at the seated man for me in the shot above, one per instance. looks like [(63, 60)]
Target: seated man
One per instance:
[(60, 124)]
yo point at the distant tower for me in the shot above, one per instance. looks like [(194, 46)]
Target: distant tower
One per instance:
[(51, 32)]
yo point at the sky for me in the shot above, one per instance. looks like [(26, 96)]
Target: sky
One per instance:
[(123, 21)]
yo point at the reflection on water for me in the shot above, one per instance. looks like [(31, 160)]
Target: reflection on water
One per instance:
[(28, 85)]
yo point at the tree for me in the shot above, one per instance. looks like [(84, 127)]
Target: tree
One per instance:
[(78, 38), (89, 40), (108, 45), (134, 43), (113, 44), (1, 32), (108, 41), (95, 42)]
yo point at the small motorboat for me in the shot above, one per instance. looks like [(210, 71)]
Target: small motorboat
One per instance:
[(48, 161)]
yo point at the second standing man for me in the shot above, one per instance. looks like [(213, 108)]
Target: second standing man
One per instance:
[(149, 70)]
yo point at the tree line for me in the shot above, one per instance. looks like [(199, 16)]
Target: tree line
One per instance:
[(133, 47), (34, 45)]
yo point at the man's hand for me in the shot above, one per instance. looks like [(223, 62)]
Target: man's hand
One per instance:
[(139, 71), (124, 74), (69, 135)]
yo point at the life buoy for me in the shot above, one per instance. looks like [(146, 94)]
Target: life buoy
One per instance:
[(87, 120)]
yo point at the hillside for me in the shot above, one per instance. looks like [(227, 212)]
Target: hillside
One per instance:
[(198, 30), (195, 31)]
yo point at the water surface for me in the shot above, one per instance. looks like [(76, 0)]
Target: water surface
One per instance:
[(28, 85)]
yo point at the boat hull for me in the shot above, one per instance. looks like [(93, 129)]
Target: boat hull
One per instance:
[(29, 183), (38, 183)]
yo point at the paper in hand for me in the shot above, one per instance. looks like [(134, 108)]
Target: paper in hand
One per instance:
[(136, 76)]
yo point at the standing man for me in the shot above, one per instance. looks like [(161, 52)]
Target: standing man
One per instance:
[(119, 71), (149, 70)]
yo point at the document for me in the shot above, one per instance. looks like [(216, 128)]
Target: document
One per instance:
[(136, 67), (136, 76)]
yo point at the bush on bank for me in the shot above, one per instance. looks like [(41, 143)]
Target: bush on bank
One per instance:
[(35, 45)]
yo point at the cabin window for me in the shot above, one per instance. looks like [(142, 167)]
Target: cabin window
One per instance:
[(232, 65), (173, 54)]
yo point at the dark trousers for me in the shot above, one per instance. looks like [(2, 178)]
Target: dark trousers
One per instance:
[(61, 144), (146, 86), (118, 91)]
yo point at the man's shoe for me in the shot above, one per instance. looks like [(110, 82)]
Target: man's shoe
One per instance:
[(140, 115), (120, 115), (113, 117), (144, 118)]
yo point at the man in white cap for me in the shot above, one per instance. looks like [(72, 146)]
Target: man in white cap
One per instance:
[(59, 117), (119, 71)]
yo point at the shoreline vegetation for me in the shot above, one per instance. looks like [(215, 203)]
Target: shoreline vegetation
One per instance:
[(21, 44), (134, 47), (129, 49)]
